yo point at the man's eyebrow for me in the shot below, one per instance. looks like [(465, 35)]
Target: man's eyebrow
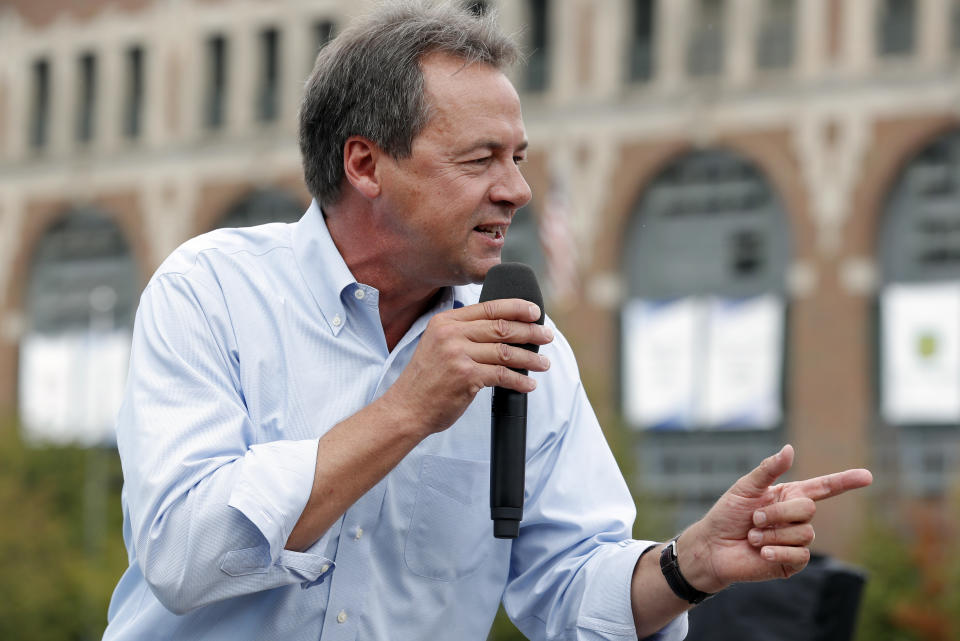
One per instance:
[(492, 145)]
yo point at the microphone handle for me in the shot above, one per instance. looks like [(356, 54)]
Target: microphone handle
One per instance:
[(508, 453)]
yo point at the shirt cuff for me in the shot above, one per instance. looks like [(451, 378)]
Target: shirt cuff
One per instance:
[(272, 484), (606, 607)]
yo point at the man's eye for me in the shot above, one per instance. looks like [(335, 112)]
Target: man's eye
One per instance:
[(518, 160), (481, 161)]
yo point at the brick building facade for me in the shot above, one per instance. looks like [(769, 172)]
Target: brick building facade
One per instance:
[(165, 116)]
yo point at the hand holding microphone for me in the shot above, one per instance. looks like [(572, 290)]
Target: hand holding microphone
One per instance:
[(462, 351)]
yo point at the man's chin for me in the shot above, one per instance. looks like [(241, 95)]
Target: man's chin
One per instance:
[(480, 272)]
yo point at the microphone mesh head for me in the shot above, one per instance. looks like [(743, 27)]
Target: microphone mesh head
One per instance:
[(513, 280)]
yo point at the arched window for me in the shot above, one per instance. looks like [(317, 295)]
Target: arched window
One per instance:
[(261, 207), (81, 299), (704, 262), (919, 306)]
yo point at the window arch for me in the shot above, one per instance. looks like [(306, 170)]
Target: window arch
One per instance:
[(919, 320), (80, 301), (703, 328)]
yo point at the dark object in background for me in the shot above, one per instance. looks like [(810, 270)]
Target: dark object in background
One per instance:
[(819, 603)]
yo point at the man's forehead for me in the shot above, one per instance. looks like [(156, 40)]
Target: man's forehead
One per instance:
[(449, 85), (443, 72)]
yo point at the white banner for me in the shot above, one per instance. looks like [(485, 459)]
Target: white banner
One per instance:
[(703, 363), (660, 357), (743, 361), (71, 386), (921, 353)]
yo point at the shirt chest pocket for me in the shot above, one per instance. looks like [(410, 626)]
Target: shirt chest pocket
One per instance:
[(450, 533)]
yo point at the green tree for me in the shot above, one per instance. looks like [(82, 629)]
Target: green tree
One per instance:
[(59, 569), (910, 593)]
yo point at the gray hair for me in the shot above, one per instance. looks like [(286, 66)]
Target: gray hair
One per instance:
[(368, 82)]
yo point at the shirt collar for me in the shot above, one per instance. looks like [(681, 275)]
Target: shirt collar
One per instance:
[(322, 266), (327, 275)]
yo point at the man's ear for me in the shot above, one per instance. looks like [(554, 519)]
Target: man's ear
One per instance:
[(360, 157)]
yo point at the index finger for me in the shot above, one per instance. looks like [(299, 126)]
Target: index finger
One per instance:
[(506, 308), (823, 487)]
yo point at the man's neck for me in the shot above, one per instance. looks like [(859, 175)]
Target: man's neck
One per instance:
[(401, 301), (398, 316)]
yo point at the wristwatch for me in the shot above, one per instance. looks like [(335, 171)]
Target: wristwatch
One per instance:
[(671, 572)]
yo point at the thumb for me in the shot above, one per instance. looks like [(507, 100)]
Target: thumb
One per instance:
[(764, 475)]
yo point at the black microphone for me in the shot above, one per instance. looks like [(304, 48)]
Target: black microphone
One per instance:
[(508, 412)]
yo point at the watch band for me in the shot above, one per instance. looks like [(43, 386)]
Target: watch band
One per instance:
[(670, 567)]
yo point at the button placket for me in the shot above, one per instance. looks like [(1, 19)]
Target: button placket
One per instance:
[(349, 593)]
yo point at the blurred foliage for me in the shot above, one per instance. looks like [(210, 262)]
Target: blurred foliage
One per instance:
[(911, 592), (61, 547), (503, 629)]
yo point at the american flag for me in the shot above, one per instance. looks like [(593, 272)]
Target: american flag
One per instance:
[(559, 245)]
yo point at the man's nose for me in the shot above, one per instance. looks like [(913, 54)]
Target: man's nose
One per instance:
[(511, 189)]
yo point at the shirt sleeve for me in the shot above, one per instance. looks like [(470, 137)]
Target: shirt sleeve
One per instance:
[(210, 507), (572, 564)]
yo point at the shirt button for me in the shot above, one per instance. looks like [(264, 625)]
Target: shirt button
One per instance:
[(342, 617), (359, 293), (326, 566), (337, 321), (358, 534)]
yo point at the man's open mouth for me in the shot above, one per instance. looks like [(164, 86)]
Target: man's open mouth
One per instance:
[(493, 231)]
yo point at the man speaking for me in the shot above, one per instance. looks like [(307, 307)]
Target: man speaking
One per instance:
[(305, 435)]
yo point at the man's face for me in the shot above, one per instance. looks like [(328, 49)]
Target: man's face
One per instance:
[(445, 209)]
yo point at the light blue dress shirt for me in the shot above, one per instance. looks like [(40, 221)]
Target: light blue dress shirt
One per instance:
[(249, 345)]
